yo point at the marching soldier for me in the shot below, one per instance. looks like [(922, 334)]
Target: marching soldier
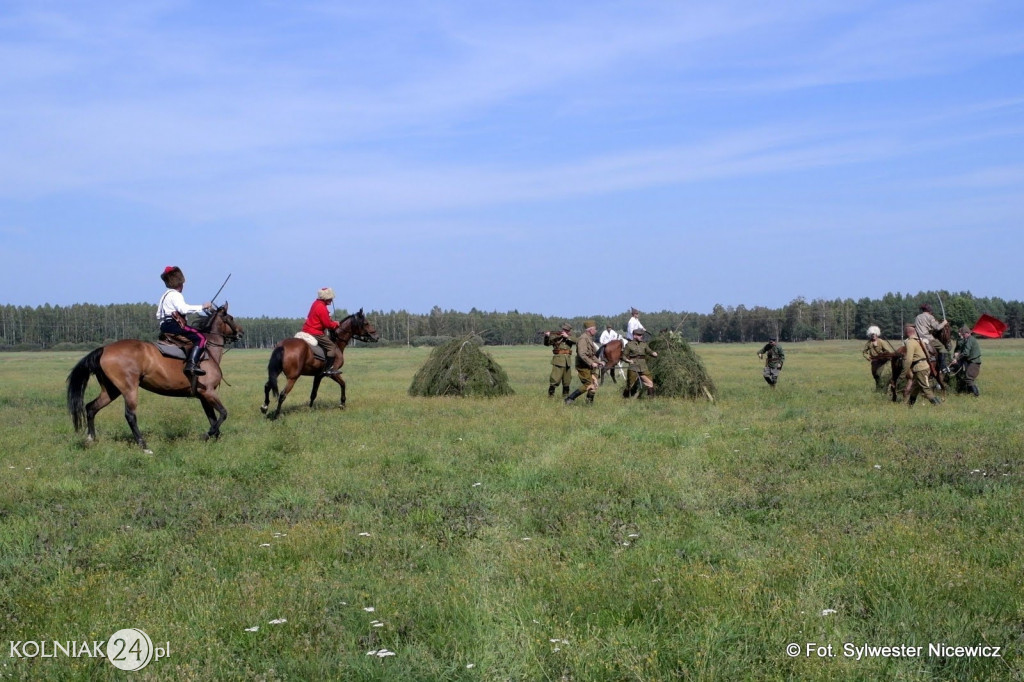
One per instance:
[(773, 361), (636, 353), (917, 372), (561, 369), (586, 363)]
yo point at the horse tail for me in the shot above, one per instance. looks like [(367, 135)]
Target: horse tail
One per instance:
[(274, 368), (78, 379)]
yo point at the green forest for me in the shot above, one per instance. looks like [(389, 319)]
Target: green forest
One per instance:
[(84, 325)]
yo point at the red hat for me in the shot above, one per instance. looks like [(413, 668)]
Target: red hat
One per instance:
[(173, 277)]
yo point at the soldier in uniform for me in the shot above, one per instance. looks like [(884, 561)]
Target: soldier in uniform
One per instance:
[(636, 353), (917, 370), (968, 356), (773, 361), (586, 363), (561, 369), (879, 353)]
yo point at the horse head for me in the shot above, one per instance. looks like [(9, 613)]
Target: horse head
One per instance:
[(221, 322), (363, 329)]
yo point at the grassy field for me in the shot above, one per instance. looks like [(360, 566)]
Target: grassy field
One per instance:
[(517, 538)]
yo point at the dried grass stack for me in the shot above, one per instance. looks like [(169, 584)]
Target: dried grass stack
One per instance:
[(678, 372), (460, 367)]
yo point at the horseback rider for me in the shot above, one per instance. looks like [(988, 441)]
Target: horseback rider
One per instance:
[(634, 326), (318, 322), (171, 312), (927, 327)]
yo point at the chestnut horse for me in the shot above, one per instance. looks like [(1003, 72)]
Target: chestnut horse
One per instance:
[(611, 353), (124, 366), (295, 358)]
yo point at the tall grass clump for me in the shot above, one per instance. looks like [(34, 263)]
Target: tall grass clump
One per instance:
[(461, 368), (678, 371)]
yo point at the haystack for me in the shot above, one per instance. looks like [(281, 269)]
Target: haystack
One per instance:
[(460, 367), (678, 372)]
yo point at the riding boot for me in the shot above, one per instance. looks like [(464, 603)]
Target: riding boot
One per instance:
[(192, 363), (565, 391), (329, 367), (572, 396), (911, 401), (975, 392), (935, 401), (590, 399), (634, 388), (551, 390)]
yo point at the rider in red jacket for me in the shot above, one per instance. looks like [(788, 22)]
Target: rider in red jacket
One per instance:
[(318, 322)]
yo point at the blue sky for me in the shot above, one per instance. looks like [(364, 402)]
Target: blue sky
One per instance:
[(564, 158)]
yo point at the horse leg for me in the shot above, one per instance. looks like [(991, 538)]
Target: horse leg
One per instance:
[(341, 382), (107, 395), (131, 403), (284, 394), (215, 412), (316, 387)]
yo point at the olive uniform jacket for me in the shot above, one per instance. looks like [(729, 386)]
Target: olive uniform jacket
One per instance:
[(586, 351), (561, 349), (774, 357), (916, 359), (637, 352)]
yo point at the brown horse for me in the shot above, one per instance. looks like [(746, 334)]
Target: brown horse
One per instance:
[(612, 356), (295, 358), (123, 366)]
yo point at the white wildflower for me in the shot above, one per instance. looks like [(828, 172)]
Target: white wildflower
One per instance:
[(278, 621), (254, 628), (828, 612)]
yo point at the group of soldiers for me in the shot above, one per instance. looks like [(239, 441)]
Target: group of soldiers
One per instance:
[(923, 351), (635, 352)]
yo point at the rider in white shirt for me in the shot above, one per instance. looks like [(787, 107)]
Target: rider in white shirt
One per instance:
[(634, 326), (609, 334), (171, 313)]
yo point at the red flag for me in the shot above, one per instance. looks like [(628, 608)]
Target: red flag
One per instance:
[(989, 327)]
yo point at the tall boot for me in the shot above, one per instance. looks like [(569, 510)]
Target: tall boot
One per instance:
[(329, 368), (192, 363), (911, 401), (551, 390), (974, 391), (572, 396), (565, 391), (590, 398), (935, 401)]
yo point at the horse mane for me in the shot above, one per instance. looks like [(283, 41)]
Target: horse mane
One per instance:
[(204, 324)]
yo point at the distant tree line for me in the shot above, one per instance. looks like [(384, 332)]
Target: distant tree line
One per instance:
[(86, 325)]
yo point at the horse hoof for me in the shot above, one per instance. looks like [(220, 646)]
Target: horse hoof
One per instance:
[(263, 409)]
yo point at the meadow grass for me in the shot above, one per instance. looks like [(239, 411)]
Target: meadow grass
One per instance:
[(516, 538)]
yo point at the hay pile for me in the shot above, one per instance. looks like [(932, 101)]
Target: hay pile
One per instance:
[(461, 368), (678, 372)]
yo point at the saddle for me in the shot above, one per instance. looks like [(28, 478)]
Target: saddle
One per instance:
[(311, 341), (174, 346)]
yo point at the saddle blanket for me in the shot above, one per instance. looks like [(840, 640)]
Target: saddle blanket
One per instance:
[(170, 350)]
